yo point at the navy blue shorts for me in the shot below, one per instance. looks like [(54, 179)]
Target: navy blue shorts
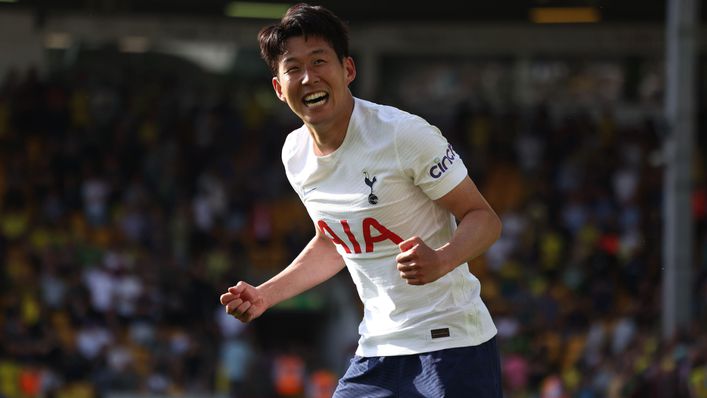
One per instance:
[(455, 372)]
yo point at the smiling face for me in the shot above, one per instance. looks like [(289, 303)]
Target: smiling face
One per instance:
[(314, 83)]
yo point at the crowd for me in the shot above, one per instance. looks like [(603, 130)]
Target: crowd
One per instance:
[(129, 199)]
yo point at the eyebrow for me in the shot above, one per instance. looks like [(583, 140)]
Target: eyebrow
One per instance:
[(313, 52)]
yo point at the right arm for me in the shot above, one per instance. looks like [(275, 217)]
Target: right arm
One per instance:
[(317, 262)]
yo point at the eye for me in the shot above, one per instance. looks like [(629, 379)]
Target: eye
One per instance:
[(319, 62), (291, 69)]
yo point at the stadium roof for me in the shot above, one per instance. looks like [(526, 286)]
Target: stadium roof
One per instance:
[(652, 11)]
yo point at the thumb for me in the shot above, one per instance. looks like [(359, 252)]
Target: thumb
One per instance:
[(238, 289), (409, 243)]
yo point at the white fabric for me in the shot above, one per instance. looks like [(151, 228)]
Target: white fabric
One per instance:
[(412, 164)]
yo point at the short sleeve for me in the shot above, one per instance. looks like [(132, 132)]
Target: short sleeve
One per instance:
[(291, 161), (427, 158)]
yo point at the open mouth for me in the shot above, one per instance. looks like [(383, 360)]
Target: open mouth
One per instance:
[(315, 99)]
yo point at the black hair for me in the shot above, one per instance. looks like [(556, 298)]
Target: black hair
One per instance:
[(303, 20)]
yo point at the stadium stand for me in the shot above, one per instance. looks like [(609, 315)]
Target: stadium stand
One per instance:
[(131, 197)]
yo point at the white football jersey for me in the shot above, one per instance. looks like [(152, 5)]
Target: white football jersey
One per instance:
[(374, 191)]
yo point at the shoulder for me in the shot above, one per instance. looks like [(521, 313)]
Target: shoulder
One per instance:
[(294, 145), (372, 112), (385, 124)]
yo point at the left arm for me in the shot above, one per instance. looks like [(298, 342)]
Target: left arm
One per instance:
[(478, 228)]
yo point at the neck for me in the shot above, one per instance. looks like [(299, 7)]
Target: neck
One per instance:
[(329, 137)]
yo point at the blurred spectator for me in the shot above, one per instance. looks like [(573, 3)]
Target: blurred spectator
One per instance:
[(321, 384), (127, 200), (289, 374)]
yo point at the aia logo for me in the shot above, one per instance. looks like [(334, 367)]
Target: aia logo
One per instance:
[(442, 165), (372, 231)]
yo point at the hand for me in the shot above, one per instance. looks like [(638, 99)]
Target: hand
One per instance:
[(244, 302), (418, 263)]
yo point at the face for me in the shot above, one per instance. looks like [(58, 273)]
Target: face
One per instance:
[(314, 82)]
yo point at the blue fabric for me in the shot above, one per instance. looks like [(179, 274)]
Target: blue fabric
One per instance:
[(473, 372)]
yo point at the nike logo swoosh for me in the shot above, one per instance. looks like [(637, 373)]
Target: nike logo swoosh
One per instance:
[(308, 191)]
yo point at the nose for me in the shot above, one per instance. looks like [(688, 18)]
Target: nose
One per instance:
[(309, 76)]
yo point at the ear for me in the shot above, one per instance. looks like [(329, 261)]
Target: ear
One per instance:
[(278, 89), (349, 69)]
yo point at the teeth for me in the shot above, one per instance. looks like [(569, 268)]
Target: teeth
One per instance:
[(315, 97)]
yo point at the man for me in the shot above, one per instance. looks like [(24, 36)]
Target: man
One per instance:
[(383, 188)]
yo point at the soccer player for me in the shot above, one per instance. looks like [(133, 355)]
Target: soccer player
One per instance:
[(383, 188)]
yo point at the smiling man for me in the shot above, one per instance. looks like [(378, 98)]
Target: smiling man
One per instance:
[(314, 82), (393, 203)]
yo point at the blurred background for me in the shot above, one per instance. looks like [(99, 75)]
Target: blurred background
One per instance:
[(140, 176)]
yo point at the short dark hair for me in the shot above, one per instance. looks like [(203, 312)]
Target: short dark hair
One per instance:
[(303, 20)]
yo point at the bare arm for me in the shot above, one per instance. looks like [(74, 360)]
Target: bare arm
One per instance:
[(478, 228), (317, 262)]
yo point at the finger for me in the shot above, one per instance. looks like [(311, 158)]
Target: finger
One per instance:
[(408, 255), (238, 289), (409, 274), (233, 305), (407, 267), (415, 282), (412, 279), (226, 298), (409, 243), (244, 307), (404, 257), (245, 315)]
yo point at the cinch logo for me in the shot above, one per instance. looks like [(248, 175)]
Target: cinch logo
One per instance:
[(442, 165)]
